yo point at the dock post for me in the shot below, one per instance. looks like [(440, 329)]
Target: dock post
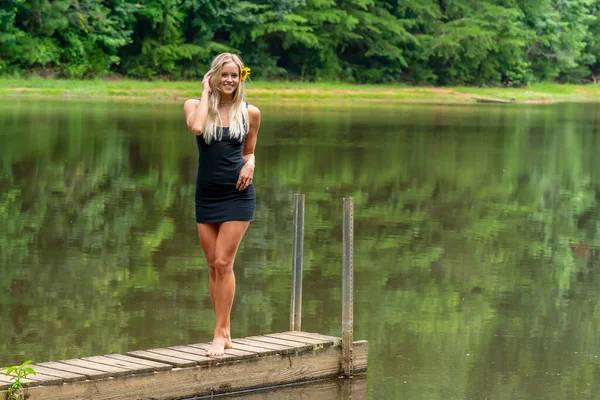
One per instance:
[(348, 287), (297, 251)]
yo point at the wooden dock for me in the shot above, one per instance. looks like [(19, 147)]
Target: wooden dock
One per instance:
[(184, 371)]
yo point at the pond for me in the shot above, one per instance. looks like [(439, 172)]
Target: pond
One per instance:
[(476, 250)]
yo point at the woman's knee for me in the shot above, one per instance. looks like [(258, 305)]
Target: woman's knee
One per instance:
[(212, 269), (223, 266)]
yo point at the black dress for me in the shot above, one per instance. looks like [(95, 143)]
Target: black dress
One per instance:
[(219, 165)]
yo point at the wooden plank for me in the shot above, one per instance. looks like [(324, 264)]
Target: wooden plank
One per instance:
[(147, 355), (5, 382), (311, 335), (156, 365), (297, 345), (31, 380), (312, 341), (200, 351), (198, 360), (252, 349), (112, 371), (239, 354), (39, 378), (335, 388), (67, 377), (135, 368), (200, 381), (259, 339), (360, 354), (27, 381), (269, 346), (191, 350), (91, 374), (45, 380)]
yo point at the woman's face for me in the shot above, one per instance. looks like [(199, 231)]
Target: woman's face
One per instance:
[(230, 78)]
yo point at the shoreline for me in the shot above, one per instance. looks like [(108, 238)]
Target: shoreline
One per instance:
[(545, 93)]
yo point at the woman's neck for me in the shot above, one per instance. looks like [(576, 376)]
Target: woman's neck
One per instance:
[(225, 100)]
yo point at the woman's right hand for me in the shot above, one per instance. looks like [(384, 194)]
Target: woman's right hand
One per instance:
[(206, 83)]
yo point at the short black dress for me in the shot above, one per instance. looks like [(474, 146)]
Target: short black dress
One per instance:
[(219, 165)]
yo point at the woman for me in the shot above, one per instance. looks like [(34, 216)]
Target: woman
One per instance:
[(226, 128)]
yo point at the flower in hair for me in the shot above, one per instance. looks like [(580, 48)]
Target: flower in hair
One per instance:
[(244, 73)]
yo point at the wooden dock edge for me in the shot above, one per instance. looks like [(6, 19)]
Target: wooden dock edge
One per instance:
[(178, 383), (347, 389)]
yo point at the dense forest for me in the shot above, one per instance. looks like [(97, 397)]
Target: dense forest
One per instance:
[(429, 42)]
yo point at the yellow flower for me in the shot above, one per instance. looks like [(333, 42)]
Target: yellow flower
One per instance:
[(244, 73)]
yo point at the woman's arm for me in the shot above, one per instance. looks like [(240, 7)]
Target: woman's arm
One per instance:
[(196, 111), (250, 144), (247, 172)]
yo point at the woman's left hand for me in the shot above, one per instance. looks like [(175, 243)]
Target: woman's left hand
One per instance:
[(246, 176)]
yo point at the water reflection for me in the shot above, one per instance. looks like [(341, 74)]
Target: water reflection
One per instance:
[(476, 248), (331, 389)]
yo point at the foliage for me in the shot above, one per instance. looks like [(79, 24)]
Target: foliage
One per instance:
[(17, 373), (450, 42)]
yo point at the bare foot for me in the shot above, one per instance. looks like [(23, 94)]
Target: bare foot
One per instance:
[(218, 346)]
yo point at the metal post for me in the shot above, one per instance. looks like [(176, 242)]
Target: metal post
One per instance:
[(348, 287), (297, 251)]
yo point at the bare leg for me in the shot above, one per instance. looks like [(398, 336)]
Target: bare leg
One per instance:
[(208, 240), (228, 240)]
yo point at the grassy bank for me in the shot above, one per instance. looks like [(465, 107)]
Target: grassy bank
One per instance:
[(132, 89)]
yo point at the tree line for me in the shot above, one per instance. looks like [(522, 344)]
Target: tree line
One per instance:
[(429, 42)]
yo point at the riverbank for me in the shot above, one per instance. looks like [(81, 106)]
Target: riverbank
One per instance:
[(177, 91)]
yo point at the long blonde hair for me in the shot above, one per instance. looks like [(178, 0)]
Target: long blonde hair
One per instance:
[(238, 114)]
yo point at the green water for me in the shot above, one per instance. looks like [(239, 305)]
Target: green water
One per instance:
[(476, 257)]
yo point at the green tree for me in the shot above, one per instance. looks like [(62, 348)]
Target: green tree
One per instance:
[(479, 42), (447, 42), (591, 56), (561, 29)]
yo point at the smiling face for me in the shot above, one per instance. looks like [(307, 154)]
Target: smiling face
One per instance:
[(230, 78)]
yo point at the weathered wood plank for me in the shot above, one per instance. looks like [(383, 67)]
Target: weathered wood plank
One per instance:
[(287, 342), (252, 349), (212, 360), (5, 382), (42, 379), (156, 365), (111, 362), (270, 346), (311, 335), (297, 345), (196, 381), (45, 380), (191, 350), (239, 354), (330, 389), (310, 341), (201, 352), (67, 377), (112, 371), (199, 360), (360, 354), (146, 355), (6, 379), (91, 374)]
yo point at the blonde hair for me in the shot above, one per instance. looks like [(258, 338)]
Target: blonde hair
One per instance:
[(238, 114)]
